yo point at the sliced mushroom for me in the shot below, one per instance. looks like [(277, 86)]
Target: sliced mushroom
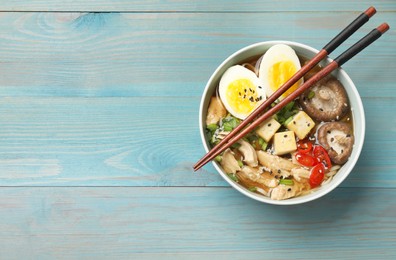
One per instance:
[(329, 101), (248, 152), (282, 192), (337, 138), (229, 163), (258, 176), (216, 111)]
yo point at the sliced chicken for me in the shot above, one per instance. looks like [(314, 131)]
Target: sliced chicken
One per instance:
[(229, 163), (282, 192), (249, 153), (258, 176), (216, 111), (279, 166)]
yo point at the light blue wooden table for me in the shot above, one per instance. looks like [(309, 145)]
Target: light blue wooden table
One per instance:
[(99, 131)]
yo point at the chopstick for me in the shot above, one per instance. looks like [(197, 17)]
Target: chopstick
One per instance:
[(234, 136)]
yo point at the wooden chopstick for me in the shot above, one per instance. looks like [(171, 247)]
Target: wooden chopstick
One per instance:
[(348, 54), (332, 45)]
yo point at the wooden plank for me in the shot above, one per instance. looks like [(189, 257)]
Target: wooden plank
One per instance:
[(194, 6), (163, 54), (142, 141), (140, 223)]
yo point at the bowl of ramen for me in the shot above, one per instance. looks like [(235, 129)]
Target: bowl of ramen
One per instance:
[(302, 152)]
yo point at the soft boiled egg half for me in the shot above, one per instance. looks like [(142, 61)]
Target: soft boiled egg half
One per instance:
[(241, 91), (277, 66)]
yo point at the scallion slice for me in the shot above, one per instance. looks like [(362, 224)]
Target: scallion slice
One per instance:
[(286, 181)]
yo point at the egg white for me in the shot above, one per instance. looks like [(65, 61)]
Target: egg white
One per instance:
[(275, 54), (232, 75)]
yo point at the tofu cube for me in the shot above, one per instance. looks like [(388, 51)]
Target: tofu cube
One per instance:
[(301, 124), (267, 129), (284, 142)]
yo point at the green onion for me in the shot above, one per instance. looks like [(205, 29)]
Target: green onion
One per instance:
[(264, 146), (218, 158), (212, 127), (227, 128), (311, 94), (240, 163), (286, 181), (261, 141), (253, 189), (288, 120), (233, 177)]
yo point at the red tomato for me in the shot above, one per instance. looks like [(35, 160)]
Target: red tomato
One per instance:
[(306, 159), (317, 175), (304, 146), (323, 157)]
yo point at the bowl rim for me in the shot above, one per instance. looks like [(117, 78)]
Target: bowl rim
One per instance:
[(358, 144)]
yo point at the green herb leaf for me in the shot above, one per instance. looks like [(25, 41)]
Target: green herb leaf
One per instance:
[(311, 94), (212, 127), (253, 189)]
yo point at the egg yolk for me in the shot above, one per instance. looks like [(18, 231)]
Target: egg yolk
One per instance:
[(242, 96), (281, 72)]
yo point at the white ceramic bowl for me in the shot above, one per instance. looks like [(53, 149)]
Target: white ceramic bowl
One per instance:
[(307, 52)]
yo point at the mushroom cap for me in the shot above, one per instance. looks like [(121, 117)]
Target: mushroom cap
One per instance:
[(329, 103), (337, 139)]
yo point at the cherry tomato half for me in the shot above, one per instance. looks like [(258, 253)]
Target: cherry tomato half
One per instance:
[(304, 146), (317, 175), (323, 157), (306, 159)]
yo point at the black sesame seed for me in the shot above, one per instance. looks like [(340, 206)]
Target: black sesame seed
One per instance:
[(250, 90), (289, 189), (294, 122), (348, 135), (329, 132), (261, 97), (259, 87), (251, 99), (321, 109), (240, 94), (244, 96), (285, 136), (279, 171), (308, 124), (332, 139), (269, 124), (245, 90), (342, 150)]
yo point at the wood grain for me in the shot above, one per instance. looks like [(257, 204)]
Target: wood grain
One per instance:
[(194, 6), (99, 131), (142, 141), (198, 222), (164, 54)]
